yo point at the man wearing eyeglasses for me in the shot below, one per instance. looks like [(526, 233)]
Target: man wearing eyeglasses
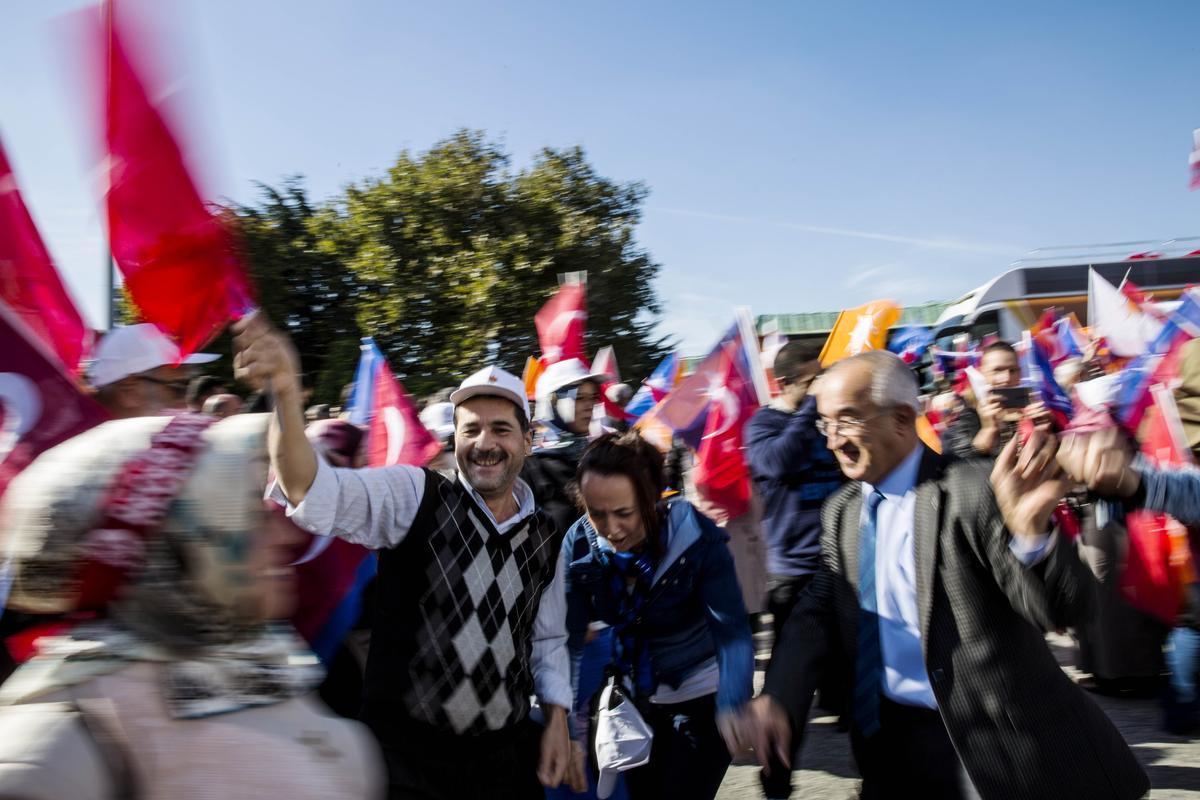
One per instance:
[(933, 596), (136, 372)]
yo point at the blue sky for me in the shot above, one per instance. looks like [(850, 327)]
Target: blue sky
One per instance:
[(801, 156)]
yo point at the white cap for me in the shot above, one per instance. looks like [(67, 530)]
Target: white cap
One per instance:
[(567, 373), (494, 382), (439, 419), (623, 739), (134, 349)]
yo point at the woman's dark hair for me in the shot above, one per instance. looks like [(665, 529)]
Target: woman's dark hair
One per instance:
[(630, 455)]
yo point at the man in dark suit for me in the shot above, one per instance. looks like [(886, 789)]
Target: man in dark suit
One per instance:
[(933, 596)]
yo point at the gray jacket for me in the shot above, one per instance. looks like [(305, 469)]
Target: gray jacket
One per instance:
[(1022, 728)]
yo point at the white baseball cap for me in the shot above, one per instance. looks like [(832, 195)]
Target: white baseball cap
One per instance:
[(567, 373), (133, 349), (494, 382), (623, 738)]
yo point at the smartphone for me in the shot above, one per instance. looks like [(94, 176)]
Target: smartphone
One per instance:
[(1013, 397)]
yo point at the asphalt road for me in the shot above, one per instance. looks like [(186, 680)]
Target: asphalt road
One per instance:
[(1172, 762)]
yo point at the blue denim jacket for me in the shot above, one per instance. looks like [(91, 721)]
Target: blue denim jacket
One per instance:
[(694, 611)]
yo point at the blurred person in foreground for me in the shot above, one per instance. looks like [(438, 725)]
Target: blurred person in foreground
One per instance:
[(661, 575), (934, 593), (983, 429), (177, 684), (467, 624), (793, 473), (136, 371)]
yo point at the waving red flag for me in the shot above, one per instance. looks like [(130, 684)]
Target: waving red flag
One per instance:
[(40, 404), (721, 475), (30, 284), (561, 324), (396, 435), (179, 261)]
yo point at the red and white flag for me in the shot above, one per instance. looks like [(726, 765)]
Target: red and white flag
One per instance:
[(40, 404), (561, 324), (721, 475), (29, 282), (395, 434)]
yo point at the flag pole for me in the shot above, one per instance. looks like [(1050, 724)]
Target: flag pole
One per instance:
[(753, 354)]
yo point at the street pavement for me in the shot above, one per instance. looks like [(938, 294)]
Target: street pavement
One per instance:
[(1172, 762)]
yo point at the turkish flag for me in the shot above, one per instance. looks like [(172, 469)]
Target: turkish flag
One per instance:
[(561, 324), (721, 475), (180, 262), (41, 403), (30, 284), (395, 434)]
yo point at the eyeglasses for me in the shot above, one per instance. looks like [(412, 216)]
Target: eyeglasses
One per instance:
[(846, 425)]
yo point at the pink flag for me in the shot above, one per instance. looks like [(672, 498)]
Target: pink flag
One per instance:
[(1194, 163), (561, 324), (30, 284), (395, 434), (180, 262), (41, 404)]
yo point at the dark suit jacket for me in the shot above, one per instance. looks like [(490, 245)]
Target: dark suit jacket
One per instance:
[(1022, 728)]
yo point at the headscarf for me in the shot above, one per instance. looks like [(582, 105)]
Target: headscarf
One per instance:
[(189, 605)]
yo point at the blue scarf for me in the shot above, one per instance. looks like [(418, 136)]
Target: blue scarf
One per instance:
[(630, 654)]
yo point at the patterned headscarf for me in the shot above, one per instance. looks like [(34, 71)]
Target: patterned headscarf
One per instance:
[(190, 604)]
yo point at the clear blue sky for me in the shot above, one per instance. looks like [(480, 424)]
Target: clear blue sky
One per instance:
[(801, 156)]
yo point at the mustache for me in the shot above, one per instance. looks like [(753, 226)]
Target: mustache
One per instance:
[(488, 454)]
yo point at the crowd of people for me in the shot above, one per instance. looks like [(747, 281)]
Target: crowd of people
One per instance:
[(550, 616)]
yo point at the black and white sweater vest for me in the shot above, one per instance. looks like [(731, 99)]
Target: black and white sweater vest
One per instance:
[(456, 602)]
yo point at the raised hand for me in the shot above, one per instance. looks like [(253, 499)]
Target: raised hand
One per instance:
[(1029, 484), (1102, 460)]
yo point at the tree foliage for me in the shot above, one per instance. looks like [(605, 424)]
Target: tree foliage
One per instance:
[(445, 259)]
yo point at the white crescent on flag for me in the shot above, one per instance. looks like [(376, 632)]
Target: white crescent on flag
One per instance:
[(22, 404), (730, 405), (393, 422)]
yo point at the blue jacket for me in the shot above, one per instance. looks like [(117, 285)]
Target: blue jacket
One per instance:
[(793, 473), (694, 611)]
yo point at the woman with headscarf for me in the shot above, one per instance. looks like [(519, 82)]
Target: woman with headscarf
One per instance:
[(170, 680), (661, 575)]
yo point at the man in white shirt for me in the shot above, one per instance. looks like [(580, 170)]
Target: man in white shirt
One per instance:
[(469, 620)]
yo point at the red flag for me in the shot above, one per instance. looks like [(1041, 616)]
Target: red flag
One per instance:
[(180, 262), (1158, 566), (395, 434), (41, 404), (30, 284), (561, 324), (721, 475)]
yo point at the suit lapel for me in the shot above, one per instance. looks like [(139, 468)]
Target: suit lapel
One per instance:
[(851, 523), (926, 528)]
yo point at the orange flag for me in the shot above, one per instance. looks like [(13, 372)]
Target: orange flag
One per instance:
[(858, 330), (533, 371)]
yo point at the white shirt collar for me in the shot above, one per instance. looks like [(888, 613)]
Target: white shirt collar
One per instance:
[(521, 493)]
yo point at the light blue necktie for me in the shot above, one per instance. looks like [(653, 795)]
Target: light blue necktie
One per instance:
[(868, 666)]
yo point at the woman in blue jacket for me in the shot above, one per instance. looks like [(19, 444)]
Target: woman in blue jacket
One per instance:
[(660, 574)]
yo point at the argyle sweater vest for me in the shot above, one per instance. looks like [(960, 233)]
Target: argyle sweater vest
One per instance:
[(455, 607)]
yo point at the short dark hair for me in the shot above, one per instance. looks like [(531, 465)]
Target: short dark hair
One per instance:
[(201, 387), (793, 356), (998, 346), (630, 455), (518, 412)]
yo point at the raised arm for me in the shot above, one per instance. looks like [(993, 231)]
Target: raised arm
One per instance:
[(266, 360)]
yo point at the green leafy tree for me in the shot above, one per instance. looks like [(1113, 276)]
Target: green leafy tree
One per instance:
[(455, 253)]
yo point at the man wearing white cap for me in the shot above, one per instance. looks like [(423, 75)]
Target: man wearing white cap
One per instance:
[(469, 614), (136, 371)]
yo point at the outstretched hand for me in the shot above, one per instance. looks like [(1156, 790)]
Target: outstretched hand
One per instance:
[(1029, 484)]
